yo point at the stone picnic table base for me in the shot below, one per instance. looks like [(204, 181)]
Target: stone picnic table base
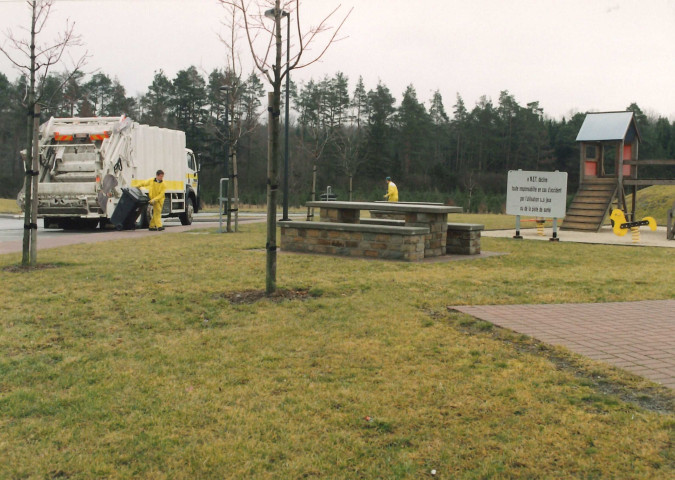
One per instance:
[(354, 240), (433, 217)]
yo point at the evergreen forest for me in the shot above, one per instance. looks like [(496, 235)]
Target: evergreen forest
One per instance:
[(352, 133)]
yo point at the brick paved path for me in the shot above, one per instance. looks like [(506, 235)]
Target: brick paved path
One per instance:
[(636, 336)]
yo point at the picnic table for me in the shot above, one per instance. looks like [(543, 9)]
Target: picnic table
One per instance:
[(433, 217)]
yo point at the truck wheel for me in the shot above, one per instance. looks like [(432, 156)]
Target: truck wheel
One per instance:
[(79, 223), (186, 217), (67, 224), (51, 223), (90, 223)]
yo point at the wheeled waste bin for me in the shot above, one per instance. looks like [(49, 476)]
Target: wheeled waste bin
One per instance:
[(132, 202)]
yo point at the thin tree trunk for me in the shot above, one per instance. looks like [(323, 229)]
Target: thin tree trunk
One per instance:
[(228, 160), (235, 184), (272, 188), (28, 191), (310, 210), (34, 199), (351, 186), (228, 217), (28, 178)]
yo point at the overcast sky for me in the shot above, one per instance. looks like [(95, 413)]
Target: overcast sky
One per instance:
[(570, 55)]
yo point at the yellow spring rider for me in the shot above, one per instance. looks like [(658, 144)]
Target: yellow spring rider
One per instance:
[(620, 225)]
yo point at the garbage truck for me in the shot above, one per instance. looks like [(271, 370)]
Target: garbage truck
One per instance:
[(86, 164)]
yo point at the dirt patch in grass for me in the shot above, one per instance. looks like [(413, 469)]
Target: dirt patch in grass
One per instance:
[(25, 269), (605, 379), (252, 296)]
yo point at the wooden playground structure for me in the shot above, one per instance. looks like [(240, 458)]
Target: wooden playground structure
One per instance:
[(609, 170)]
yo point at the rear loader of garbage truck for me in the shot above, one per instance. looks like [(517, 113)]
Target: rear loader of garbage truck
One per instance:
[(86, 163)]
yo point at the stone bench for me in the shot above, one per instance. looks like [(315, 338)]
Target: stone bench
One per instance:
[(354, 239), (386, 215), (382, 221), (463, 238)]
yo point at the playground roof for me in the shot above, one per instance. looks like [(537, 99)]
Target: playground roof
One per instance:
[(598, 127)]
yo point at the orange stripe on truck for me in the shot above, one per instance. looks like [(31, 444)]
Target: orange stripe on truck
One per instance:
[(62, 138), (100, 136)]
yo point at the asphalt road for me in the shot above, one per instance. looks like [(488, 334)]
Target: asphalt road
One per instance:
[(11, 228), (11, 232)]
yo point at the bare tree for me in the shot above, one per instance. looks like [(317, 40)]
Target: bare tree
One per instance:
[(470, 184), (34, 61), (349, 146), (241, 123), (265, 43), (314, 148)]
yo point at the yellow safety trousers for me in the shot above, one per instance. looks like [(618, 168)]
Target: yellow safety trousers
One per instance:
[(156, 220), (156, 193), (392, 192)]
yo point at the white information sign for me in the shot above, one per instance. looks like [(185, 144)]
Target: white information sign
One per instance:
[(536, 194)]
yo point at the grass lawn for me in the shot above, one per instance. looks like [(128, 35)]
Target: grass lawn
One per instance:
[(143, 359), (9, 205)]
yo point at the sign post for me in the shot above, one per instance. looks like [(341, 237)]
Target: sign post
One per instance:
[(537, 194)]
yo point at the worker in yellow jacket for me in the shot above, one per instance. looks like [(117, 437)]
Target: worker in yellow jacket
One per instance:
[(156, 188), (392, 191)]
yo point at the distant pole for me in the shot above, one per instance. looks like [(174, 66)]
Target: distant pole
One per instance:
[(288, 83), (235, 188), (272, 14), (226, 90)]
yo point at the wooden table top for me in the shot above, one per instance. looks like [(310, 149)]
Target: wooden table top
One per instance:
[(386, 206)]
